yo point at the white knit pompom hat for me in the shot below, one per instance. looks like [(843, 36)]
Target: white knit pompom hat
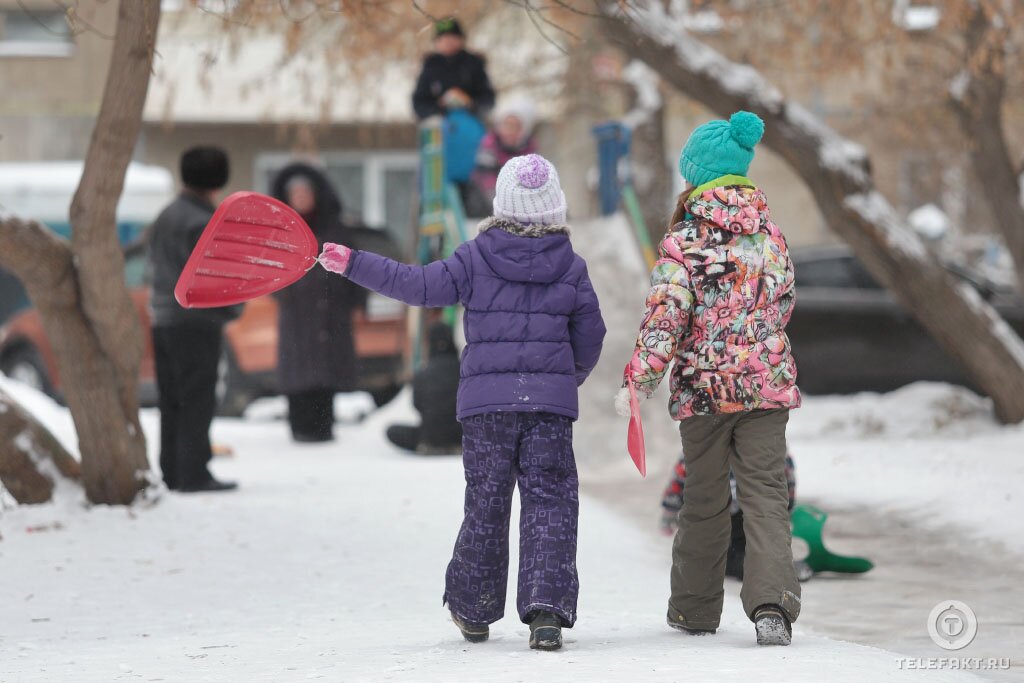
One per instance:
[(528, 192)]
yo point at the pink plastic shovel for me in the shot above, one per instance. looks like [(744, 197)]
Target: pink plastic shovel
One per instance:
[(253, 245), (635, 435)]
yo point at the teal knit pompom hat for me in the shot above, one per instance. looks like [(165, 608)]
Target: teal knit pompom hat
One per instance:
[(720, 148)]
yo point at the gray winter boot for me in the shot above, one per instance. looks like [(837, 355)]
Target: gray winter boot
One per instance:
[(772, 626)]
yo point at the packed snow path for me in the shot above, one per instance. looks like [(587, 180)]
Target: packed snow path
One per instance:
[(329, 564)]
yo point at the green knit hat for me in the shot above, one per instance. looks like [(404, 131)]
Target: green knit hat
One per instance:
[(720, 148)]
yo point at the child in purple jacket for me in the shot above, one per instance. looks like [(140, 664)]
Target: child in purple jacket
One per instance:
[(534, 332)]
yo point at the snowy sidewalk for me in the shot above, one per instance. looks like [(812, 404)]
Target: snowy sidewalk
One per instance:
[(329, 564)]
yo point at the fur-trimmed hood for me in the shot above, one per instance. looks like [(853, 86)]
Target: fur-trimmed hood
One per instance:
[(525, 253), (511, 226)]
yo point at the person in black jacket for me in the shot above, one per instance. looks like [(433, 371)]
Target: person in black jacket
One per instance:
[(187, 342), (452, 77), (434, 389), (316, 349)]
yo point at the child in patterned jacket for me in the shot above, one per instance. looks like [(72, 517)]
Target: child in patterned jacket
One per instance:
[(721, 294)]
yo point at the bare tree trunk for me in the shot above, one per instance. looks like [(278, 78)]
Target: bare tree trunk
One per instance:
[(651, 175), (79, 289), (585, 105), (30, 457), (977, 98), (838, 174)]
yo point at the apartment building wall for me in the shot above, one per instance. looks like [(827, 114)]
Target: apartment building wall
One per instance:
[(52, 77)]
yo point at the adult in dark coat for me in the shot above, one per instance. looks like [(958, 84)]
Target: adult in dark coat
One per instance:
[(451, 76), (316, 349), (434, 390), (187, 342)]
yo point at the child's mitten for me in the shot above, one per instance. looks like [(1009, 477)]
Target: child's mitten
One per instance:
[(622, 401), (335, 257)]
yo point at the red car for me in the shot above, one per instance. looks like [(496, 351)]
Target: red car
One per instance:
[(249, 364)]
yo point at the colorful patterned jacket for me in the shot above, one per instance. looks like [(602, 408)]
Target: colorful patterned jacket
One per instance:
[(721, 294)]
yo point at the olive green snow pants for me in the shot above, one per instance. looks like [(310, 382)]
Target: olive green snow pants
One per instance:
[(753, 444)]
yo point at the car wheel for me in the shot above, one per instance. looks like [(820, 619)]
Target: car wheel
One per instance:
[(25, 365), (233, 394), (384, 395)]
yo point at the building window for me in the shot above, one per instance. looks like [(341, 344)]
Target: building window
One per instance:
[(380, 187), (35, 33)]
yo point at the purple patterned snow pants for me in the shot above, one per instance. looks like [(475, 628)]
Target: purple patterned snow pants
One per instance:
[(499, 449)]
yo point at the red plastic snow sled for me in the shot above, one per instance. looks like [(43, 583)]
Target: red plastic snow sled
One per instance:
[(253, 245)]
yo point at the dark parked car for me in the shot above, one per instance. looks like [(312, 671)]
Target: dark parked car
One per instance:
[(849, 334)]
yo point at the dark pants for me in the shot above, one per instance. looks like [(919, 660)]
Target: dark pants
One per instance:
[(311, 415), (499, 450), (753, 445), (186, 359)]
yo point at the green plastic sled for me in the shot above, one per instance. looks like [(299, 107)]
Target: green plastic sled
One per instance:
[(808, 525)]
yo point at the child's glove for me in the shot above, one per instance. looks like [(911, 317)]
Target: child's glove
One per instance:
[(335, 257)]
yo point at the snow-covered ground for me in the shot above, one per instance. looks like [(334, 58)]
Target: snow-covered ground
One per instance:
[(931, 451), (329, 563)]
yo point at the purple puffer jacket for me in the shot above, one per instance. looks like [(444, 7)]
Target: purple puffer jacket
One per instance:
[(533, 326)]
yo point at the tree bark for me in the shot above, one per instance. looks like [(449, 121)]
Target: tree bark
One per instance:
[(30, 457), (79, 289), (651, 174), (838, 174), (977, 99)]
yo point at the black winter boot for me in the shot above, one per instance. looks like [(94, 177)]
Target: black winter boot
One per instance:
[(546, 631), (474, 633)]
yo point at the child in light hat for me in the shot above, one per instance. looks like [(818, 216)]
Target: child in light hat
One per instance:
[(534, 332), (721, 294), (511, 136)]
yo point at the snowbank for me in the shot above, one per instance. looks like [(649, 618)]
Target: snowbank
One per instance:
[(51, 415), (931, 451)]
